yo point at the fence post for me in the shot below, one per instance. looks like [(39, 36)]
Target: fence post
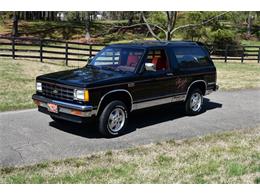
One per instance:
[(243, 54), (258, 55), (41, 45), (90, 50), (66, 53), (13, 47), (226, 53)]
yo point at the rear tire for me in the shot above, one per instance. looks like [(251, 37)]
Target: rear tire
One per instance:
[(194, 102), (113, 119)]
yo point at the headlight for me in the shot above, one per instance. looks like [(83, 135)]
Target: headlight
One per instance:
[(82, 95), (38, 86)]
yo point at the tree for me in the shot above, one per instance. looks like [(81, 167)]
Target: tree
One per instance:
[(196, 33), (168, 26), (158, 21), (130, 18), (87, 25), (15, 24), (249, 23)]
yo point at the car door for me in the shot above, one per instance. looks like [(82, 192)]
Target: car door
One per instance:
[(154, 85)]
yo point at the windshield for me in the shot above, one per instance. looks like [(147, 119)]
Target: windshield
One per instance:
[(118, 59)]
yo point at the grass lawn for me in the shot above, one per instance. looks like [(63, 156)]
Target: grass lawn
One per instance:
[(17, 79), (230, 157), (234, 75), (17, 82), (250, 43)]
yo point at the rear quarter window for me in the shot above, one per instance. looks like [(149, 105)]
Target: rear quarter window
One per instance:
[(191, 57)]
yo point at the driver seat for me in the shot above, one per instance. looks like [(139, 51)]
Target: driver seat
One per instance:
[(132, 60)]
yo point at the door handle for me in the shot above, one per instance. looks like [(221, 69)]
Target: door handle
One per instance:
[(131, 84)]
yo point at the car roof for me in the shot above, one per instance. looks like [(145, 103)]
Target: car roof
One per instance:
[(149, 44)]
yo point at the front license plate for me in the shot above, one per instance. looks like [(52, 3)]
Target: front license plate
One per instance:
[(52, 108)]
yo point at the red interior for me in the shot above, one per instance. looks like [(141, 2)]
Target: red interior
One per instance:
[(132, 60), (160, 63)]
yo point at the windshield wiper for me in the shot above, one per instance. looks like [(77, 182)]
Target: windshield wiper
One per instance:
[(92, 66), (108, 68)]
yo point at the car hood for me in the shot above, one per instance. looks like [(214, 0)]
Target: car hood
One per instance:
[(84, 77)]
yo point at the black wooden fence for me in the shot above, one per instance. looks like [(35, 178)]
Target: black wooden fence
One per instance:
[(48, 49), (240, 53), (32, 48)]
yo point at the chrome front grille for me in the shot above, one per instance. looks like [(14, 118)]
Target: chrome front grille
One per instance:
[(57, 92)]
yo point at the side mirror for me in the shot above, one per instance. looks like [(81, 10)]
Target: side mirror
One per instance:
[(150, 67), (90, 59)]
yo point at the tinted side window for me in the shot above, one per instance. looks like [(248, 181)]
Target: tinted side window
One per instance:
[(189, 57)]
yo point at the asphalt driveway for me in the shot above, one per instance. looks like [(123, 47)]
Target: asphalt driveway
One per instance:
[(28, 137)]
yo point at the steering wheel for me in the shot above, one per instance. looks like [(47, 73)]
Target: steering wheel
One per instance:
[(132, 64)]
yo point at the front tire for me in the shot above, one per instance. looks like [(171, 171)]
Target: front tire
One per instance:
[(194, 102), (113, 119)]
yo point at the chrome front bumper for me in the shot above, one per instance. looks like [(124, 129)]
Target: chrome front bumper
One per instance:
[(64, 107)]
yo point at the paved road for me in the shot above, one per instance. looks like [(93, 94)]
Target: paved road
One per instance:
[(27, 137)]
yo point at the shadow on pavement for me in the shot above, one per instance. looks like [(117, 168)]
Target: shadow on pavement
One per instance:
[(137, 119)]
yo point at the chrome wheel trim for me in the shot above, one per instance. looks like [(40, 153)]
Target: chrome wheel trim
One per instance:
[(196, 102), (116, 120)]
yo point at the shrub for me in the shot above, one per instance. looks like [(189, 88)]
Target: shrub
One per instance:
[(258, 35), (221, 38)]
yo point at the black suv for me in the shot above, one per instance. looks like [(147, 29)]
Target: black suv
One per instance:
[(126, 77)]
